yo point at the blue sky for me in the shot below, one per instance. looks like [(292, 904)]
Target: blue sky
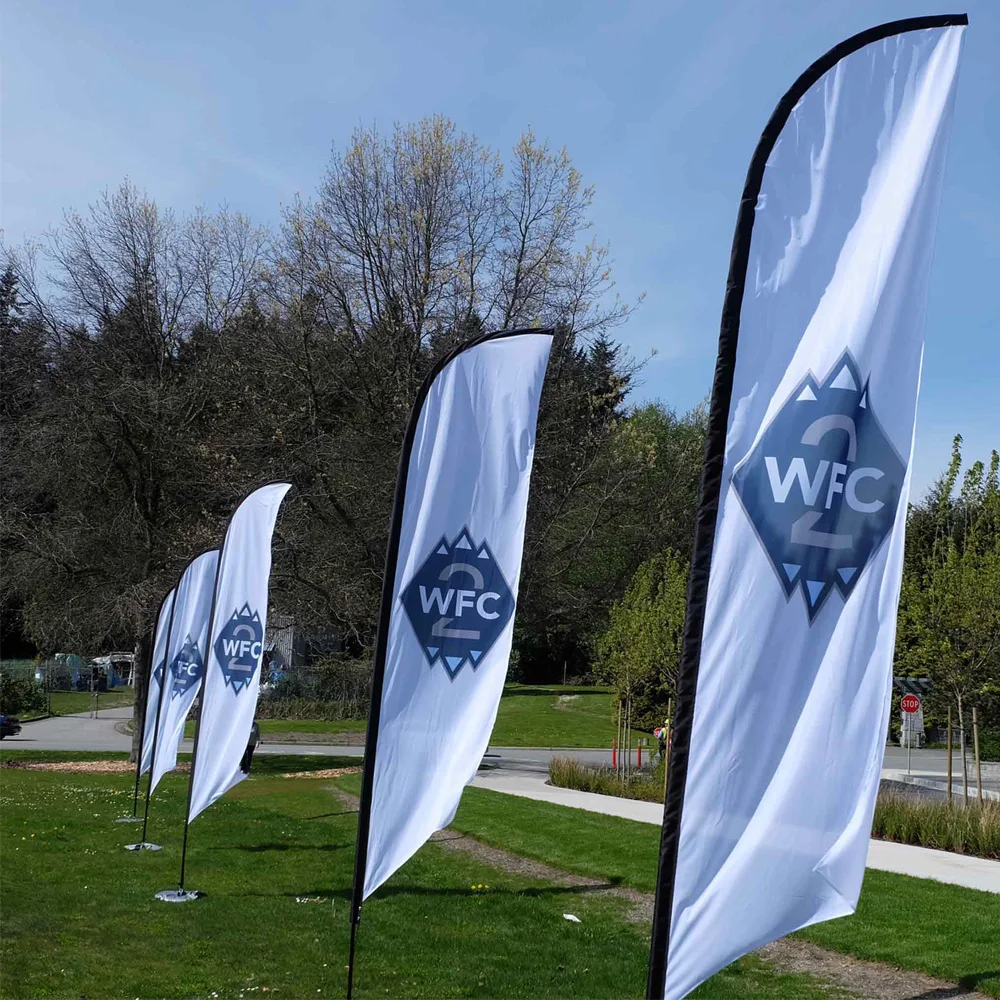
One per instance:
[(660, 105)]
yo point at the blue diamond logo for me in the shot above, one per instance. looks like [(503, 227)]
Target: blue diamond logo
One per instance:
[(186, 668), (458, 603), (239, 647), (822, 486)]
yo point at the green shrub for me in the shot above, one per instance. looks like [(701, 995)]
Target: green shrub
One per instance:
[(336, 688), (20, 693)]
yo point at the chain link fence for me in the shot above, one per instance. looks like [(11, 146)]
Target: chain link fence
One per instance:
[(65, 684)]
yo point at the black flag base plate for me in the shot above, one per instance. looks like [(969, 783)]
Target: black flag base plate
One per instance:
[(178, 895), (144, 845), (129, 819)]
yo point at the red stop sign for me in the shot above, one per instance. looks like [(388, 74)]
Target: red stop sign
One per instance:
[(910, 703)]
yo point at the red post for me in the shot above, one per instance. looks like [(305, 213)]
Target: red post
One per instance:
[(614, 754), (638, 753)]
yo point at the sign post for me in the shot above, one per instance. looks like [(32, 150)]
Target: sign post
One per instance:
[(910, 705)]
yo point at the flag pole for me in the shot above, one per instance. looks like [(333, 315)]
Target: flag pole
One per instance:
[(382, 635), (181, 891), (142, 724), (143, 845)]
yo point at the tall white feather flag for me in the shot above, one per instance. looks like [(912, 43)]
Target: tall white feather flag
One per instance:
[(235, 649), (449, 594), (785, 681), (185, 657), (157, 665)]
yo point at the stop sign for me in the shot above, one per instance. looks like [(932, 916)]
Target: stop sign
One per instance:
[(910, 703)]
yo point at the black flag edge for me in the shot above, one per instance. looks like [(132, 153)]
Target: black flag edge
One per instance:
[(711, 482), (385, 613)]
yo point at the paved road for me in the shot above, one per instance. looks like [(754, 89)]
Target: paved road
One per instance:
[(82, 732)]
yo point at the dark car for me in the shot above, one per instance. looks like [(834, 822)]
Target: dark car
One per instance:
[(9, 726)]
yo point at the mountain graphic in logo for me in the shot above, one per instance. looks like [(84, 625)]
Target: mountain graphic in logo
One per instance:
[(186, 668), (822, 486), (239, 647), (458, 603)]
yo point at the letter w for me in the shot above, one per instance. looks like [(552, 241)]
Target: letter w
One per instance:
[(436, 597), (782, 486), (231, 647)]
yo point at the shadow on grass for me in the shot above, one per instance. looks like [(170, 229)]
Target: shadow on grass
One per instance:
[(402, 890), (261, 848)]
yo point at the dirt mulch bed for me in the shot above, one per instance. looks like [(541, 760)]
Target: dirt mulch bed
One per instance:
[(327, 772), (79, 766)]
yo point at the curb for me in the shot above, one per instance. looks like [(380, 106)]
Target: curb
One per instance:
[(941, 785)]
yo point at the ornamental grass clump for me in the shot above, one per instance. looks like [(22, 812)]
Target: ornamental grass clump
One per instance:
[(962, 827), (644, 785)]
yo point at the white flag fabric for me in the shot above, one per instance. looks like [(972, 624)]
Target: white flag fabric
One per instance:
[(232, 674), (185, 657), (157, 663), (467, 464), (773, 783)]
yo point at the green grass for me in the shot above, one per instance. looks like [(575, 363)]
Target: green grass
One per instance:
[(73, 702), (552, 716), (300, 726), (943, 930), (79, 918)]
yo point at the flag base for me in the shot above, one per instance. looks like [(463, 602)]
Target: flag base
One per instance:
[(143, 846), (129, 819), (178, 895)]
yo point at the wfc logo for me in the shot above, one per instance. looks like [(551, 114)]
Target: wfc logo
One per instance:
[(239, 647), (186, 668), (822, 486), (458, 603)]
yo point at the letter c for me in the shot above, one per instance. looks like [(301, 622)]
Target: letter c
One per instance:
[(481, 605), (851, 495)]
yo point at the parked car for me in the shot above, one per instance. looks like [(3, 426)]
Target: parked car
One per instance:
[(9, 726)]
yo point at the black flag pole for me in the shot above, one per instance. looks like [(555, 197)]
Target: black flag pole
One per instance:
[(381, 638), (180, 894), (143, 845), (142, 722), (711, 482)]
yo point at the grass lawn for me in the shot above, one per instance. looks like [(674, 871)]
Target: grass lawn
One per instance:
[(275, 858), (554, 716), (943, 930), (72, 702), (529, 715)]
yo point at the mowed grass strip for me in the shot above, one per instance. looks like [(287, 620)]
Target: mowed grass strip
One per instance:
[(275, 857), (943, 930), (529, 716)]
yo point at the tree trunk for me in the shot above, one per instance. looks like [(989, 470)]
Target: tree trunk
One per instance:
[(143, 654), (961, 743)]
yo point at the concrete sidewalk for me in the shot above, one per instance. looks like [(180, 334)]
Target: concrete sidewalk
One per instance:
[(920, 862)]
